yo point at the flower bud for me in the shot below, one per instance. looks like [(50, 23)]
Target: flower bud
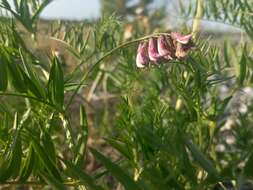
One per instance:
[(152, 50), (142, 55)]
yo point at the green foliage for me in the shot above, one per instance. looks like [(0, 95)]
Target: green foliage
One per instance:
[(162, 125), (236, 12), (56, 84), (26, 11), (117, 172)]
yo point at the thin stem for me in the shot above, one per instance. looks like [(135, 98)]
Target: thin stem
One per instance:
[(37, 183), (29, 97), (78, 67), (104, 57), (198, 16), (95, 84)]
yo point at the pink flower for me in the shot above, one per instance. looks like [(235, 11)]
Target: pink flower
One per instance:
[(142, 55), (183, 39), (152, 50), (164, 49), (173, 46), (182, 43)]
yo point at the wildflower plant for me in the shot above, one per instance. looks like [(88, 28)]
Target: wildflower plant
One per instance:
[(108, 123)]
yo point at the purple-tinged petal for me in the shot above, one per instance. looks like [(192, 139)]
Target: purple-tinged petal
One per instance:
[(142, 55), (183, 49), (152, 50), (163, 47), (183, 39), (166, 47)]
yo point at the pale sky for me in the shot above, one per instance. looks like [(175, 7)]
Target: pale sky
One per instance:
[(77, 9), (80, 9), (71, 9), (74, 9)]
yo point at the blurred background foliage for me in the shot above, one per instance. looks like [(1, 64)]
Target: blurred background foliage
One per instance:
[(76, 113)]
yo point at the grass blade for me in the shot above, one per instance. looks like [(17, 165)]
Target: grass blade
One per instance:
[(116, 171), (76, 173), (201, 159), (53, 182)]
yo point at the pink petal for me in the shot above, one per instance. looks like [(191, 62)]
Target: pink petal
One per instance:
[(183, 39), (163, 47), (142, 55), (152, 50)]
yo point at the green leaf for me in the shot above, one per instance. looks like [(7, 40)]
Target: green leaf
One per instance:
[(4, 165), (201, 159), (155, 178), (19, 13), (32, 88), (14, 70), (76, 173), (13, 161), (82, 138), (69, 133), (121, 147), (31, 78), (72, 86), (17, 150), (3, 75), (16, 158), (223, 105), (52, 181), (49, 144), (24, 11), (248, 166), (116, 171), (17, 79), (47, 162), (243, 67), (226, 54), (39, 10), (28, 165), (5, 4), (56, 83)]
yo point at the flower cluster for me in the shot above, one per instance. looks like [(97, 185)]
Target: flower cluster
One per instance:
[(165, 47)]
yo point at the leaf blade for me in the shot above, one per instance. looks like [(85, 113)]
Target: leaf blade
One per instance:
[(117, 172)]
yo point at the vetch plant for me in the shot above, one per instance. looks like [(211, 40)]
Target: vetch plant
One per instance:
[(100, 123)]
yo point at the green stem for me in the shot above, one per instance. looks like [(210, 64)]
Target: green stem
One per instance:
[(104, 57), (29, 97), (198, 17), (36, 183)]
